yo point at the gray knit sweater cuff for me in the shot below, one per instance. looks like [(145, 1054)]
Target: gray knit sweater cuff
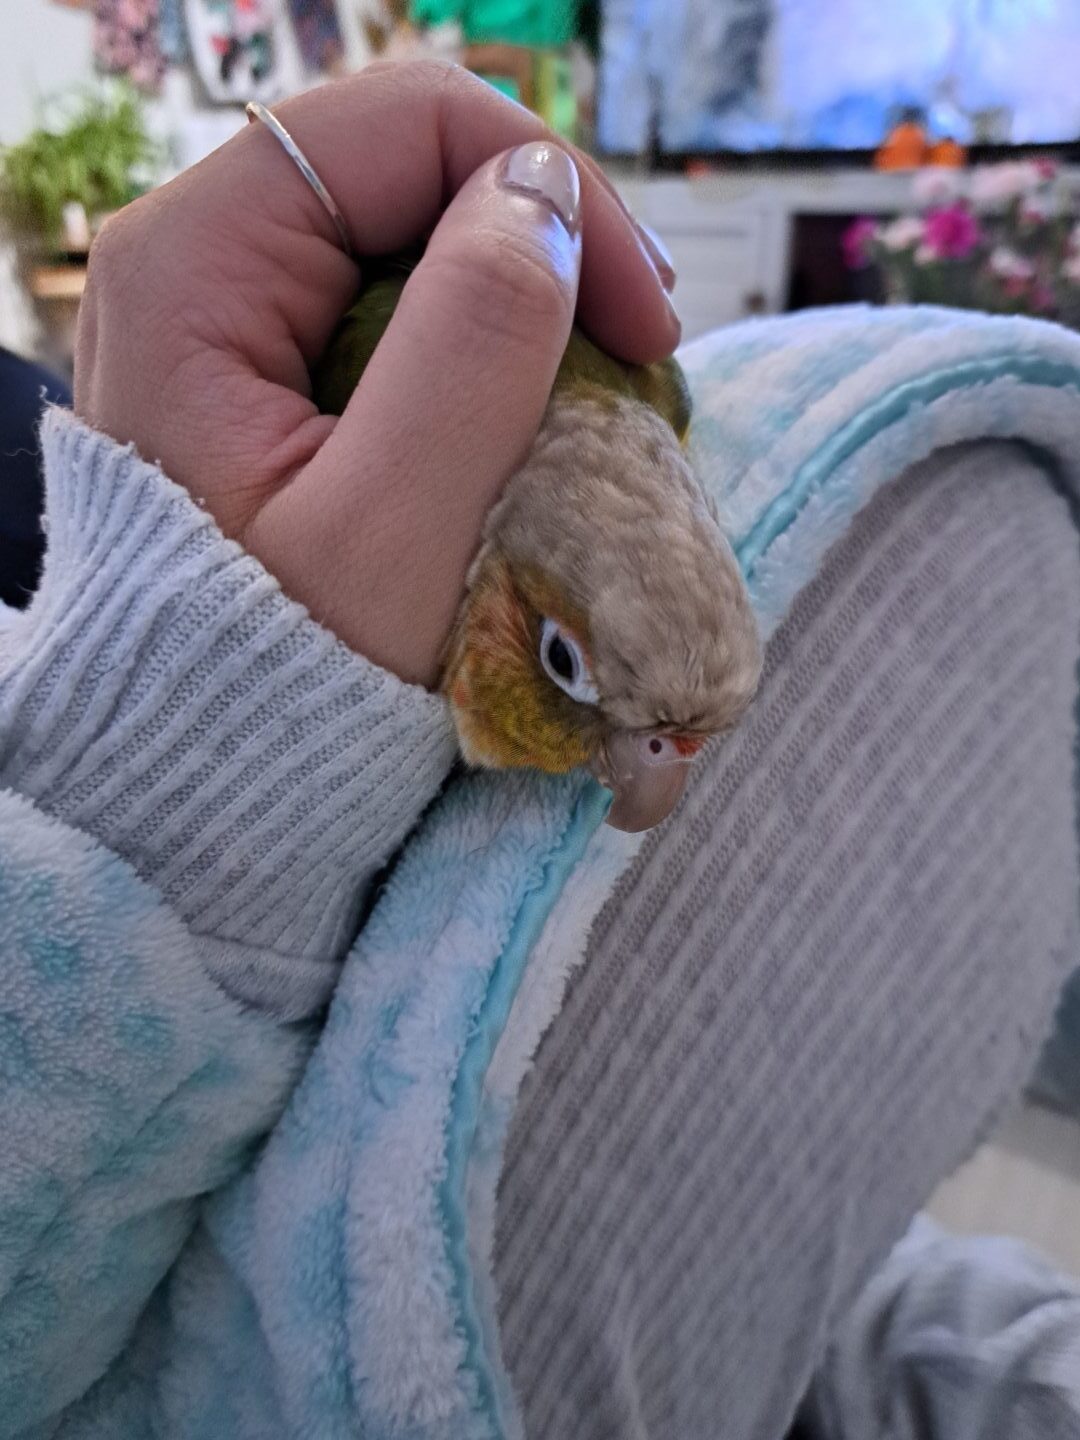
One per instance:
[(162, 694)]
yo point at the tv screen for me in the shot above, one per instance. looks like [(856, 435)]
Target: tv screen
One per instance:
[(693, 76)]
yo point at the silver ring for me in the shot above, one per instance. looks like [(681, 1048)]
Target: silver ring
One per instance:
[(255, 111)]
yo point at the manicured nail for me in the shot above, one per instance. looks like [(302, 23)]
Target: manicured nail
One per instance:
[(658, 253), (543, 170)]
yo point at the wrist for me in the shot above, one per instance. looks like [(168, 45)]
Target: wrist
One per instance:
[(163, 694)]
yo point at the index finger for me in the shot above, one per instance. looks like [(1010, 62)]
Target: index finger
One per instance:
[(426, 128)]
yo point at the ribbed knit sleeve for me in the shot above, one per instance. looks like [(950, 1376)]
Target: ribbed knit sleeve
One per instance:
[(163, 695)]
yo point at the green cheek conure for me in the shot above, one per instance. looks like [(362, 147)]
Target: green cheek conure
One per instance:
[(605, 621)]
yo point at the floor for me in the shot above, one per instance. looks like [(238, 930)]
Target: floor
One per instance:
[(1025, 1182)]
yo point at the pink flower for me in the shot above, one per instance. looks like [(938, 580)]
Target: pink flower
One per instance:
[(1008, 266), (1014, 287), (1035, 210), (1047, 168), (952, 234), (993, 186), (856, 243), (902, 234), (1042, 297), (936, 185)]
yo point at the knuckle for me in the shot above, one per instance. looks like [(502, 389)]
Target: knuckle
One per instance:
[(120, 241), (410, 72), (441, 77), (107, 251), (372, 70), (438, 73), (419, 79)]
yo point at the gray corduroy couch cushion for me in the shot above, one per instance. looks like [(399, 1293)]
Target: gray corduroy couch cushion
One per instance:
[(817, 986)]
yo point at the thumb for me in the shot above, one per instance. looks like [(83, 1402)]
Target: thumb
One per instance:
[(446, 411)]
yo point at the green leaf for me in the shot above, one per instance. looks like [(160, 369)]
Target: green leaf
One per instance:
[(90, 147)]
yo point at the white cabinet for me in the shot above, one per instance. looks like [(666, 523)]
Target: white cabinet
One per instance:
[(719, 273), (719, 249)]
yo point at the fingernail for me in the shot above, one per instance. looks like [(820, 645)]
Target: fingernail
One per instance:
[(658, 253), (543, 170)]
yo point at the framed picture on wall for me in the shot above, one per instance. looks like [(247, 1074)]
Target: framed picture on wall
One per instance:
[(126, 42), (234, 48), (318, 34)]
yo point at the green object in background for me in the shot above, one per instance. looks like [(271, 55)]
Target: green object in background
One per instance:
[(505, 86), (556, 98), (96, 151), (513, 22)]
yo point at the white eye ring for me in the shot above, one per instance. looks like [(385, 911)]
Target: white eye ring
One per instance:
[(565, 664), (660, 750)]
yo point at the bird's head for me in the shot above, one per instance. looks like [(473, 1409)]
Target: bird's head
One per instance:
[(607, 623)]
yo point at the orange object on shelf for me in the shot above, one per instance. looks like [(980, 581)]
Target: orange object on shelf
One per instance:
[(948, 153), (905, 148)]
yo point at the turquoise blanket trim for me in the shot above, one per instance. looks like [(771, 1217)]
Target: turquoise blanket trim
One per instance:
[(812, 476), (587, 816)]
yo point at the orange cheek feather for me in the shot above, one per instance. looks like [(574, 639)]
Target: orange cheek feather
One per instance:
[(688, 745), (506, 715)]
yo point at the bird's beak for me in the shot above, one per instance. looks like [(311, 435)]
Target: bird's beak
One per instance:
[(646, 790)]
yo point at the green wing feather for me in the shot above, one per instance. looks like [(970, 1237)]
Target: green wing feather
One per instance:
[(661, 385), (338, 372)]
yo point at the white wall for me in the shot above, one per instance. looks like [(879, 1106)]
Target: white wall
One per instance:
[(44, 48)]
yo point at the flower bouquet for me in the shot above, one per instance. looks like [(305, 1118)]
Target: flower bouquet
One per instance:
[(1003, 238)]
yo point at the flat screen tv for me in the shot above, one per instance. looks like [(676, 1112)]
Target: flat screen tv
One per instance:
[(701, 76)]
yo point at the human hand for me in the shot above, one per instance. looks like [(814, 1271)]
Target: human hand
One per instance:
[(208, 299)]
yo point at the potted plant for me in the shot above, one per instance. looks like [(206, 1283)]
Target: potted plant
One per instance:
[(93, 155)]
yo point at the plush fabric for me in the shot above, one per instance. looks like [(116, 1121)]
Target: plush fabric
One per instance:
[(329, 1285), (131, 1086)]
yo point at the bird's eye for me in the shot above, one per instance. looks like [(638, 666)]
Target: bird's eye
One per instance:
[(659, 750), (565, 664)]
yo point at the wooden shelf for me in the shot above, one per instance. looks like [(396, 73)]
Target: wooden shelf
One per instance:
[(57, 282)]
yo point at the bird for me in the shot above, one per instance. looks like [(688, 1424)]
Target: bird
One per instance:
[(605, 622)]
